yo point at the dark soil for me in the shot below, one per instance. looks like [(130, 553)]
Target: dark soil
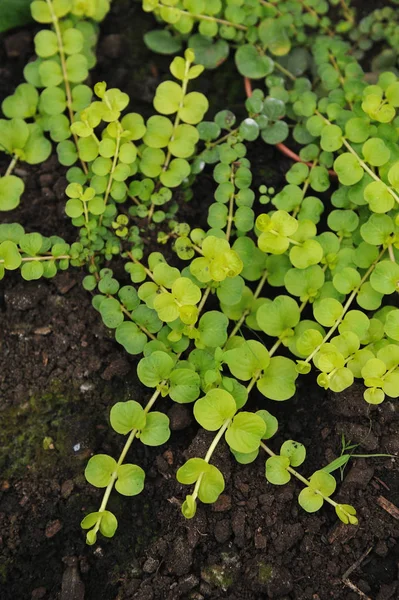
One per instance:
[(60, 373)]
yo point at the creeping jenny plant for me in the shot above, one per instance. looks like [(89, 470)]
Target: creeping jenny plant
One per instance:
[(279, 282)]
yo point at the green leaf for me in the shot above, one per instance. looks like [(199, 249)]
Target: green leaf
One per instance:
[(41, 11), (271, 423), (278, 381), (38, 148), (162, 41), (327, 311), (90, 520), (385, 277), (131, 337), (108, 524), (247, 360), (309, 253), (208, 52), (295, 451), (99, 470), (9, 253), (216, 407), (46, 44), (31, 271), (346, 513), (168, 97), (245, 432), (331, 138), (391, 326), (184, 385), (273, 35), (377, 229), (251, 63), (194, 107), (310, 500), (348, 169), (276, 470), (189, 473), (275, 133), (22, 103), (130, 481), (31, 243), (376, 152), (213, 329), (11, 189), (189, 507), (378, 197), (155, 368), (175, 174), (126, 416), (159, 131), (346, 280), (14, 13), (339, 462), (278, 316), (245, 459), (324, 482), (156, 431), (184, 139), (211, 486), (111, 312)]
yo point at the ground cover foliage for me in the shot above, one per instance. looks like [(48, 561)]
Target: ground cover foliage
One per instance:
[(279, 283)]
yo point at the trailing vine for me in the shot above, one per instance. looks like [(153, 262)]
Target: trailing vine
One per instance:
[(278, 283)]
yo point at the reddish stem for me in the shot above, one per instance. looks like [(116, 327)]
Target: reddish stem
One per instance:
[(282, 147)]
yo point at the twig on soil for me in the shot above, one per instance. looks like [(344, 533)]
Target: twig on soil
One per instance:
[(382, 483), (356, 564), (388, 506), (354, 588), (352, 568)]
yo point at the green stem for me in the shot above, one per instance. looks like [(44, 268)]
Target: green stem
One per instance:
[(223, 138), (208, 455), (114, 163), (11, 166), (275, 347), (300, 477), (257, 292), (175, 125), (362, 163), (369, 171), (128, 314), (39, 258), (285, 71), (204, 299), (207, 18), (231, 207), (346, 307), (122, 457), (64, 74)]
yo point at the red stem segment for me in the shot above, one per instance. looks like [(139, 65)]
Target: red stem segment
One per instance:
[(282, 147)]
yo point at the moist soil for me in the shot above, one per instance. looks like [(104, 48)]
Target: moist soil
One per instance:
[(60, 373)]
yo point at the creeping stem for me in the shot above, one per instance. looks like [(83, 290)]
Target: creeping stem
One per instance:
[(207, 18), (64, 73), (11, 166), (247, 311), (346, 306), (134, 432), (39, 258), (305, 481), (122, 457), (114, 163), (208, 455)]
